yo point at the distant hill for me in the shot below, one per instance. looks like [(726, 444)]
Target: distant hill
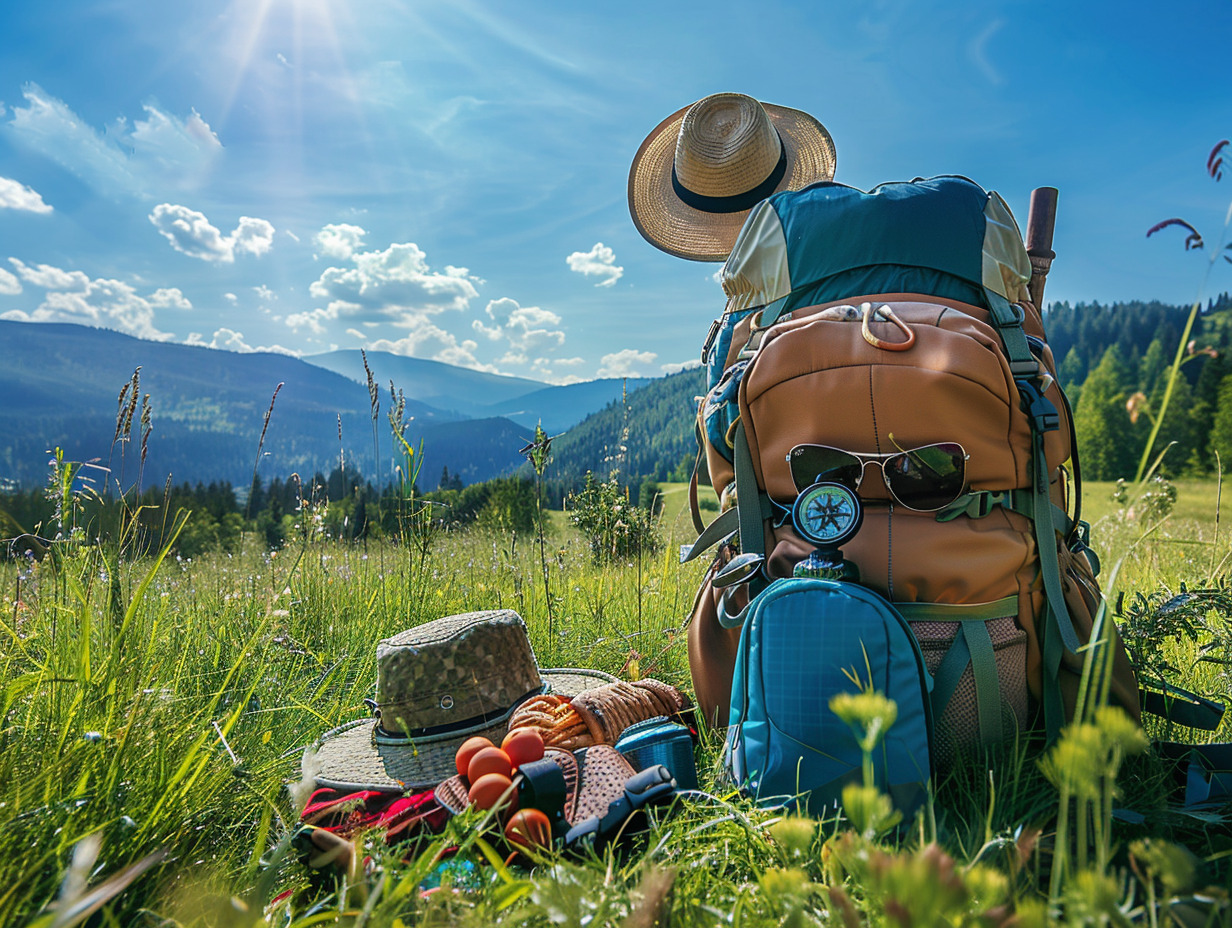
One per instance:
[(660, 436), (444, 386), (561, 408), (61, 382), (478, 393)]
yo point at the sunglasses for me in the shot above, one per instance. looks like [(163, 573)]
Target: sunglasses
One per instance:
[(924, 479)]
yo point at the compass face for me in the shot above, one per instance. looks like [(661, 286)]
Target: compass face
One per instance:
[(827, 514)]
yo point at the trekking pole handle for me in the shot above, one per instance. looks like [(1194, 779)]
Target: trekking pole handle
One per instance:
[(1041, 220)]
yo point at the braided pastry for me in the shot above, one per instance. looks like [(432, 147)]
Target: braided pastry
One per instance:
[(557, 722)]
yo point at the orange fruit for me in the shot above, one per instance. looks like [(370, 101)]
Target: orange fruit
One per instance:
[(523, 745), (488, 760), (486, 791), (529, 829), (470, 747)]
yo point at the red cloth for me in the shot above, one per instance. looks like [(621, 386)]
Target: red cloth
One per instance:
[(399, 817)]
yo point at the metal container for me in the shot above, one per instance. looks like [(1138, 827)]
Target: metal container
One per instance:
[(661, 741)]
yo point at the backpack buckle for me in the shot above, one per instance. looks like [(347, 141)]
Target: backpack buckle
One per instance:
[(1043, 414), (975, 505)]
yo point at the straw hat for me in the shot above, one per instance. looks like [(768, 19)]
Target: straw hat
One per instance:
[(698, 174), (437, 685)]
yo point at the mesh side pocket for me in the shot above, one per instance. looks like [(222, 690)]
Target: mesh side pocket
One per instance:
[(957, 731)]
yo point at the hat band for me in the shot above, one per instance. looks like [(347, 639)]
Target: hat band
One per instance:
[(450, 729), (737, 201)]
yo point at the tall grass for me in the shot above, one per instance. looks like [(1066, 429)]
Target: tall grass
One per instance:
[(177, 730)]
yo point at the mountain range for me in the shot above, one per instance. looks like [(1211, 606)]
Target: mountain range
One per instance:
[(208, 410), (476, 394)]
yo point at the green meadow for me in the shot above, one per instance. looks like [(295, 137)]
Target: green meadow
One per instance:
[(155, 712)]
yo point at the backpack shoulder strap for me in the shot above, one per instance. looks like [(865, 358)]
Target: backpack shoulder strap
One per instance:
[(1057, 629)]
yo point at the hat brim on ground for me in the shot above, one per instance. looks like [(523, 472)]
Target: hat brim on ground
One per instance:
[(351, 758), (673, 226)]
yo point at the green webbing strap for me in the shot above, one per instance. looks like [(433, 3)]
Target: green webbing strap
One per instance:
[(987, 682), (948, 673), (1057, 629), (1181, 706), (1007, 319), (713, 533), (1006, 608), (979, 503), (748, 497), (972, 645)]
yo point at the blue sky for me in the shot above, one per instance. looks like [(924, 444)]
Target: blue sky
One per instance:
[(448, 180)]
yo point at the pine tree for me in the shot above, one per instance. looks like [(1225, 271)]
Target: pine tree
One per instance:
[(1221, 430), (1104, 431)]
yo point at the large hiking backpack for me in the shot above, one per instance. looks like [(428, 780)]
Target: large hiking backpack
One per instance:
[(878, 323)]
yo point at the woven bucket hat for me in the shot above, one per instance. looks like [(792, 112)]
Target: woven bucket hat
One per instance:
[(697, 175), (437, 685)]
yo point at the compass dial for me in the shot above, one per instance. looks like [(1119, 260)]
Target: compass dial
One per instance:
[(827, 514)]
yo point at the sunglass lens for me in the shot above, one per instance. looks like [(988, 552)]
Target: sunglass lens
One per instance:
[(821, 464), (927, 478)]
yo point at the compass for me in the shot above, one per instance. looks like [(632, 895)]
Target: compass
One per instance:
[(827, 514)]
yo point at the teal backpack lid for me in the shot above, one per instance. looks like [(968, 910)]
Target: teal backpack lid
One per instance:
[(945, 236), (892, 224)]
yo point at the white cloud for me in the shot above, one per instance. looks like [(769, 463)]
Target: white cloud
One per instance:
[(158, 153), (9, 284), (396, 283), (568, 362), (231, 298), (14, 195), (428, 340), (50, 278), (525, 328), (265, 294), (226, 339), (340, 241), (253, 236), (978, 52), (314, 319), (170, 298), (600, 262), (191, 233), (105, 303), (628, 362), (675, 367), (545, 369)]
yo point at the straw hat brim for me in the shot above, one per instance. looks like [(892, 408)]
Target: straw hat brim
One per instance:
[(671, 225), (349, 758)]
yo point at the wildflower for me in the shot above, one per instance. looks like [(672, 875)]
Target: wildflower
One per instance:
[(1171, 864), (794, 834), (869, 810), (868, 714), (1093, 898)]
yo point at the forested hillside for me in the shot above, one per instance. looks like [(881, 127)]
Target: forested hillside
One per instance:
[(1113, 362), (649, 435)]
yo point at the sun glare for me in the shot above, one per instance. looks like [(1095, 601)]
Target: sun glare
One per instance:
[(294, 34)]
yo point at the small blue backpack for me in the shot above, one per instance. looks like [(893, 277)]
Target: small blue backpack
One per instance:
[(803, 641)]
